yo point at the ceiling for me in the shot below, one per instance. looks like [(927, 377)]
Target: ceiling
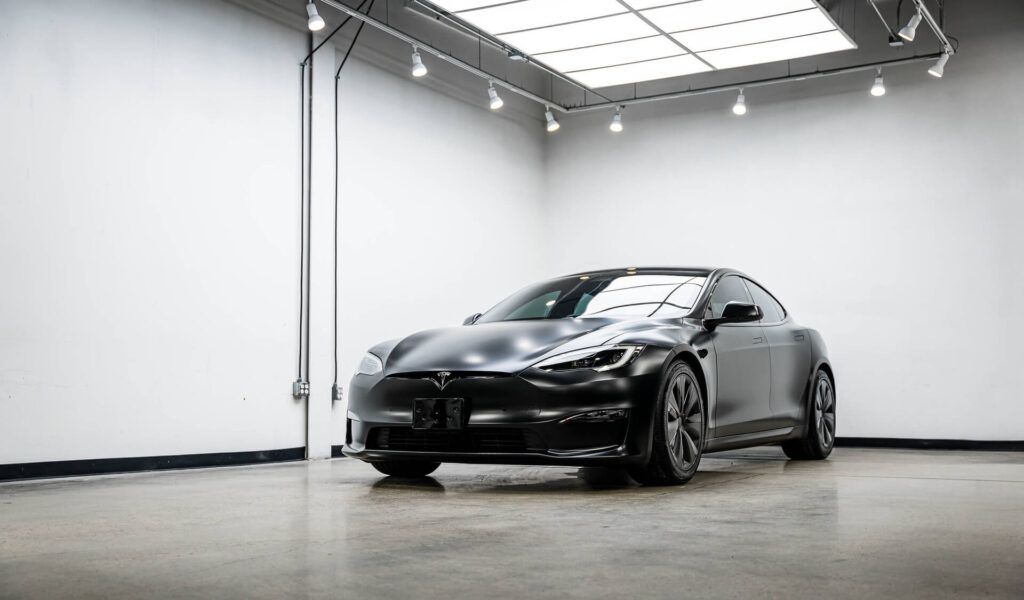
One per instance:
[(602, 43)]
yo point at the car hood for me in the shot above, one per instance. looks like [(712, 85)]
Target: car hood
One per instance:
[(502, 347)]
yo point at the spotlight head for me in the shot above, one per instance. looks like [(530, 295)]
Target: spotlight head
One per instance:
[(552, 125), (315, 22), (496, 101), (740, 108), (616, 125), (910, 30), (418, 68), (939, 68), (878, 88)]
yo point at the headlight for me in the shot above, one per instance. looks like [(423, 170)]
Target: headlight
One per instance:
[(602, 358), (370, 365)]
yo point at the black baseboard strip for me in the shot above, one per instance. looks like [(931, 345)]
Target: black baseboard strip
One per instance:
[(922, 444), (71, 468)]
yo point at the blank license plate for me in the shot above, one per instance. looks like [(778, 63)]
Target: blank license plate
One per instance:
[(438, 413)]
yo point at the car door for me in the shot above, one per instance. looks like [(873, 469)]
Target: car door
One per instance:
[(790, 357), (744, 366)]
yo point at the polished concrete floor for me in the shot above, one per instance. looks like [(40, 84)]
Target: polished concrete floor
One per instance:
[(866, 523)]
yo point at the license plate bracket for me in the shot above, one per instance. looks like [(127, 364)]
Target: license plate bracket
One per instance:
[(438, 413)]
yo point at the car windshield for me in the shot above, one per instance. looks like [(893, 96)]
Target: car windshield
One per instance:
[(640, 295)]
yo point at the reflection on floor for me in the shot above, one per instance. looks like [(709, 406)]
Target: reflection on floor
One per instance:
[(866, 523)]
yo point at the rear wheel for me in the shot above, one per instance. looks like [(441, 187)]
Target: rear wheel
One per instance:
[(406, 468), (820, 430), (678, 431)]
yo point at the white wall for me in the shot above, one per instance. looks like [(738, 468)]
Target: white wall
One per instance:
[(890, 224), (149, 225), (147, 230)]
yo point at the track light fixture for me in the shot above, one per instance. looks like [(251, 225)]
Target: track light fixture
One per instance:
[(418, 68), (878, 88), (939, 67), (910, 30), (552, 123), (315, 21), (616, 125), (496, 101), (740, 108)]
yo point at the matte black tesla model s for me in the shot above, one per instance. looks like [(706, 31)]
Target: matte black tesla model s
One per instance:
[(640, 368)]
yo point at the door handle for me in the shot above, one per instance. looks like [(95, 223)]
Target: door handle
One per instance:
[(759, 340), (798, 337)]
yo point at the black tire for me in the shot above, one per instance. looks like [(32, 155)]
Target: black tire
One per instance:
[(820, 426), (678, 443), (406, 468)]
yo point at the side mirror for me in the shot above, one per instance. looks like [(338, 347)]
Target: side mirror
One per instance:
[(736, 312), (472, 318)]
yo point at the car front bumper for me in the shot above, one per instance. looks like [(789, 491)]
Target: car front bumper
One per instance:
[(534, 417)]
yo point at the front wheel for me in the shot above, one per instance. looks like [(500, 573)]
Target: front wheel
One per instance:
[(678, 431), (820, 429), (406, 468)]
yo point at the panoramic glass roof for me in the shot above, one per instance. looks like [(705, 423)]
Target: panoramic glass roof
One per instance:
[(611, 42)]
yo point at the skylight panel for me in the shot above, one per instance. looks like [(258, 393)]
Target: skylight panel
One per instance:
[(759, 30), (531, 14), (457, 5), (583, 33), (607, 55), (809, 45), (707, 13), (643, 71), (601, 43)]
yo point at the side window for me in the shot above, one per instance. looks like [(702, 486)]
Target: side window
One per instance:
[(729, 289), (773, 311)]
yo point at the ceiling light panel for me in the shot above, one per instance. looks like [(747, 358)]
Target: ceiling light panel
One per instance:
[(457, 5), (531, 14), (708, 13), (610, 54), (643, 71), (756, 31), (580, 34), (766, 52), (603, 42)]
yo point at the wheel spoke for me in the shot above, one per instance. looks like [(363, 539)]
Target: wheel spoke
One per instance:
[(691, 448), (688, 403), (679, 391), (672, 405)]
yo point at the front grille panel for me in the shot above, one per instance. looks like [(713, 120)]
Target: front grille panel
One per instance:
[(486, 439)]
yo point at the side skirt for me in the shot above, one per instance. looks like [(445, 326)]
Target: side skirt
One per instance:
[(745, 440)]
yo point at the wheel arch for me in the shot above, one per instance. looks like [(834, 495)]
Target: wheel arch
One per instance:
[(688, 356), (821, 364), (692, 358)]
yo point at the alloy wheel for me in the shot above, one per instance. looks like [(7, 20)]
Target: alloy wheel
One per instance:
[(825, 412), (684, 421)]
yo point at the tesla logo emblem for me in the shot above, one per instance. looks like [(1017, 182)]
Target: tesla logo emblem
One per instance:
[(442, 379)]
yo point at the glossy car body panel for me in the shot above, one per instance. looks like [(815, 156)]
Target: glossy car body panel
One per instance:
[(755, 391)]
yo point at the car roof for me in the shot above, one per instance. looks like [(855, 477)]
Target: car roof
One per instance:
[(705, 271)]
